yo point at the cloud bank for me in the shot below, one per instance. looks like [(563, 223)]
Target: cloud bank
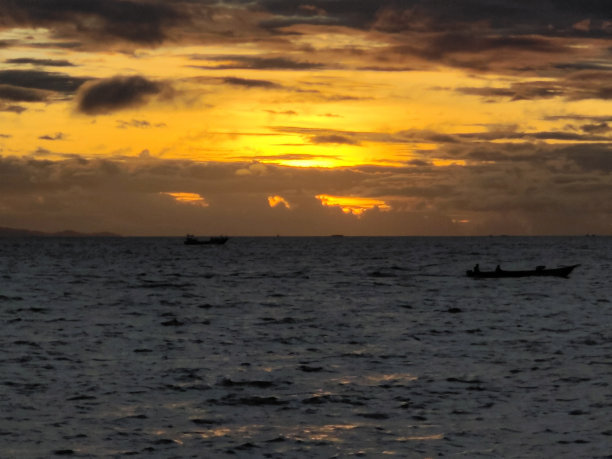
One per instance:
[(524, 192)]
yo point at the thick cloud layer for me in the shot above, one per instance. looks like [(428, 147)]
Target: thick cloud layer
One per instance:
[(526, 186), (135, 21)]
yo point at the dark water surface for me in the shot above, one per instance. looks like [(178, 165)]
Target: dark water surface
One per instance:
[(304, 347)]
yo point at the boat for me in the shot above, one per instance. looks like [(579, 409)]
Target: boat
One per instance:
[(190, 239), (563, 271)]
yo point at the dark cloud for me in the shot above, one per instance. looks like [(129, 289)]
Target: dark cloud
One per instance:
[(142, 22), (492, 35), (250, 83), (576, 86), (39, 79), (604, 93), (322, 136), (12, 108), (551, 17), (418, 163), (149, 22), (591, 158), (40, 62), (541, 135), (588, 85), (140, 124), (333, 139), (326, 12), (567, 136), (404, 16), (57, 44), (598, 128), (416, 136), (493, 133), (377, 68), (479, 50), (257, 63), (482, 35), (56, 136), (579, 66), (288, 21), (18, 94), (449, 43), (436, 15), (592, 119), (519, 91), (555, 161), (478, 35), (117, 93)]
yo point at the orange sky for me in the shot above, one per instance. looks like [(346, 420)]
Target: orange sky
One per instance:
[(146, 117)]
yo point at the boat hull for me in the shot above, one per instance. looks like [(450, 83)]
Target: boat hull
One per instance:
[(218, 240), (563, 271)]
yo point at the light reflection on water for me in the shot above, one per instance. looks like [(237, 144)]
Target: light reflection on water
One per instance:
[(330, 433), (375, 380), (303, 348)]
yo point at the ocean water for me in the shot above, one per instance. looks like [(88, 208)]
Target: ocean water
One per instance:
[(304, 347)]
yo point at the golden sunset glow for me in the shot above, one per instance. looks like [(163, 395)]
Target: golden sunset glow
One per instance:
[(278, 200), (352, 205), (303, 107), (189, 198)]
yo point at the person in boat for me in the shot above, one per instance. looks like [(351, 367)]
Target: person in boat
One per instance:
[(476, 268), (498, 269)]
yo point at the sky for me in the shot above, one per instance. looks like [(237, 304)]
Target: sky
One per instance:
[(266, 117)]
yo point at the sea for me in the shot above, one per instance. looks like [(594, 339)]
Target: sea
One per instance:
[(313, 347)]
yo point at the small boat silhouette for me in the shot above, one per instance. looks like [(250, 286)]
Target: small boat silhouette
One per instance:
[(190, 239), (562, 271)]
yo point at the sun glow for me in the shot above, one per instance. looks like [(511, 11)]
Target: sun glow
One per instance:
[(448, 162), (274, 201), (188, 198), (353, 205)]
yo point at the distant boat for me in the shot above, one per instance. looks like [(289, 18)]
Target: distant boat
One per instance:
[(190, 239), (562, 271)]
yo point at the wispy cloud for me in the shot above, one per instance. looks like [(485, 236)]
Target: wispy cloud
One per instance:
[(40, 62), (43, 80), (18, 109), (56, 136), (139, 124), (19, 94), (256, 63), (250, 83)]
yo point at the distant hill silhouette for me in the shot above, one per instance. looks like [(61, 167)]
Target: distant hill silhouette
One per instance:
[(19, 232)]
